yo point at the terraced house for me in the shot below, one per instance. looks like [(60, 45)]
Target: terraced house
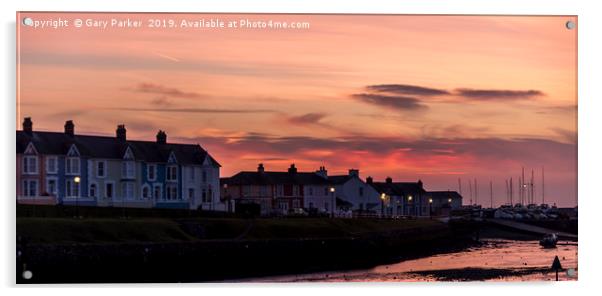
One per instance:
[(68, 168)]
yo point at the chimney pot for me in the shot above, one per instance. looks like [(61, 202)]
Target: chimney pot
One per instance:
[(69, 128), (389, 180), (121, 132), (161, 137), (27, 125), (260, 168), (354, 172), (292, 169), (369, 180)]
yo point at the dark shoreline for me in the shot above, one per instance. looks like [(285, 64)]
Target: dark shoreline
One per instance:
[(232, 260)]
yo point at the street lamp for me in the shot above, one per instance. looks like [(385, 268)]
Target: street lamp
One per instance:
[(333, 201), (77, 179), (431, 208), (382, 204)]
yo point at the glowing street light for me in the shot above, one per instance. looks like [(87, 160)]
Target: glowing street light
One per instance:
[(431, 208), (449, 200), (410, 198), (77, 179), (333, 201)]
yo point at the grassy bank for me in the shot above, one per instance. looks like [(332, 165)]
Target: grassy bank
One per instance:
[(144, 230), (59, 250)]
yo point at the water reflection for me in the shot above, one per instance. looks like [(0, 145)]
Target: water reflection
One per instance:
[(494, 260)]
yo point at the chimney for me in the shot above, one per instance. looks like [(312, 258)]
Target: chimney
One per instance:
[(369, 180), (354, 173), (292, 169), (69, 128), (260, 168), (322, 172), (161, 137), (420, 183), (389, 180), (27, 125), (121, 132)]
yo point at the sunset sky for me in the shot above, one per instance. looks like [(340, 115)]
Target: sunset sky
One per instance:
[(435, 98)]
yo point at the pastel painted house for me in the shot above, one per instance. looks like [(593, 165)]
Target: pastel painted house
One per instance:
[(69, 168)]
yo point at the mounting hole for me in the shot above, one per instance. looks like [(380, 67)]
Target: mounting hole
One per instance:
[(28, 21), (570, 25), (27, 275)]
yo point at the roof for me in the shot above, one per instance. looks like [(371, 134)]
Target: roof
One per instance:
[(272, 178), (341, 179), (398, 188), (56, 143), (444, 194)]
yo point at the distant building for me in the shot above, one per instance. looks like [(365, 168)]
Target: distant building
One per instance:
[(69, 168), (444, 201), (280, 192), (352, 193), (401, 198)]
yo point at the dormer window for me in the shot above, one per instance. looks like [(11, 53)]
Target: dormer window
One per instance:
[(72, 162), (30, 160), (172, 173), (128, 169), (30, 164)]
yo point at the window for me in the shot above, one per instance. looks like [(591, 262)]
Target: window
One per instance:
[(172, 173), (311, 191), (30, 188), (127, 190), (128, 169), (296, 204), (71, 188), (311, 205), (191, 174), (51, 165), (72, 165), (30, 164), (151, 172), (146, 192), (204, 176), (361, 191), (93, 190), (283, 205), (51, 186), (172, 192), (157, 192), (326, 206), (191, 193), (100, 169), (109, 190), (326, 191)]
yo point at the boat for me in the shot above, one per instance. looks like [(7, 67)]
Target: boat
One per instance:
[(549, 240)]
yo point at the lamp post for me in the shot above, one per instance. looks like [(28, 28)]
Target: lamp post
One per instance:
[(430, 208), (409, 205), (77, 180), (333, 201), (382, 205)]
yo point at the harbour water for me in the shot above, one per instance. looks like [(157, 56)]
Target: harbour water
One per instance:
[(493, 260)]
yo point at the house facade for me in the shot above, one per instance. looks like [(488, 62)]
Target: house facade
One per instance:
[(443, 202), (401, 198), (353, 193), (68, 168), (279, 192)]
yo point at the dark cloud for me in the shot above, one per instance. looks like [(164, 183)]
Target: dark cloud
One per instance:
[(520, 150), (165, 91), (497, 94), (308, 118), (407, 89), (162, 101), (396, 102), (196, 110)]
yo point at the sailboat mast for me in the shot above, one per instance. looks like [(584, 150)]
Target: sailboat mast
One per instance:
[(491, 193), (543, 188)]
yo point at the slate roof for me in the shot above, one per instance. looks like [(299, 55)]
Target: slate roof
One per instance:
[(444, 194), (56, 143), (337, 180), (273, 178), (398, 188)]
